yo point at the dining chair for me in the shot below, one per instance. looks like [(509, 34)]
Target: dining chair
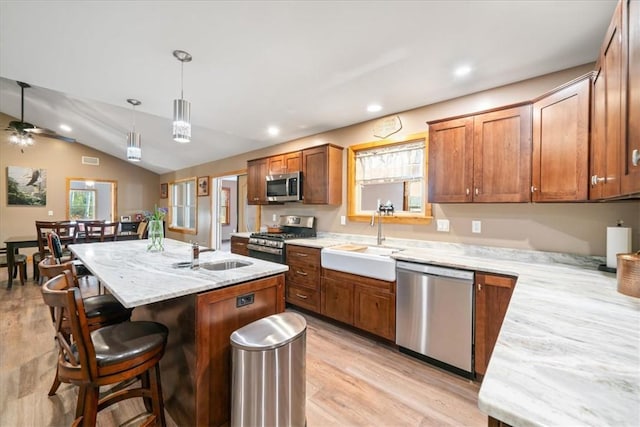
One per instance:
[(109, 355), (101, 310), (19, 264), (101, 231)]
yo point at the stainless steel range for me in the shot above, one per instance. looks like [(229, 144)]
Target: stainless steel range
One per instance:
[(271, 246)]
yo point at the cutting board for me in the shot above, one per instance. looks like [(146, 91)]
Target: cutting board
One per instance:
[(350, 247)]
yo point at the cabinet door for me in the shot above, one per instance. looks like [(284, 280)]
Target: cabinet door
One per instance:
[(256, 180), (337, 299), (493, 294), (284, 163), (561, 145), (451, 161), (239, 245), (630, 179), (607, 120), (322, 175), (502, 156), (375, 311)]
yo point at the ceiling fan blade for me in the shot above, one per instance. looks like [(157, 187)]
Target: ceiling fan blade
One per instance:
[(54, 136)]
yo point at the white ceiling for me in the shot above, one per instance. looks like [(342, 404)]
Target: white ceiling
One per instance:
[(304, 66)]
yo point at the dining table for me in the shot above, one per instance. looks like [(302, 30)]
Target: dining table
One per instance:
[(13, 244)]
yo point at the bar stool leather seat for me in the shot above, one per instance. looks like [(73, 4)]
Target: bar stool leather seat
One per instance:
[(117, 343)]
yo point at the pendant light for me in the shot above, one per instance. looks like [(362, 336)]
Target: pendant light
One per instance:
[(181, 108), (134, 149)]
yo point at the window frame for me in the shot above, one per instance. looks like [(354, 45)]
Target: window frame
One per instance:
[(425, 217), (172, 188)]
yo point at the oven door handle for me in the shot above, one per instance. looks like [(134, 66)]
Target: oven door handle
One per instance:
[(265, 249)]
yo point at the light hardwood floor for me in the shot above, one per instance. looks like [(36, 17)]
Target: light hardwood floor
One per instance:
[(351, 380)]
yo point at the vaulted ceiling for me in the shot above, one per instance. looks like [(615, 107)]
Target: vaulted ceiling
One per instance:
[(303, 66)]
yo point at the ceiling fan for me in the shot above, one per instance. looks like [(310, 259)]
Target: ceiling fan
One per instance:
[(22, 131)]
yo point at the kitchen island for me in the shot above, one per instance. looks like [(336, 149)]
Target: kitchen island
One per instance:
[(200, 307)]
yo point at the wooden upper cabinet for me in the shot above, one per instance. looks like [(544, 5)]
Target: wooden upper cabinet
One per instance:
[(451, 161), (322, 175), (630, 173), (481, 158), (606, 138), (502, 155), (285, 163), (257, 170), (561, 144)]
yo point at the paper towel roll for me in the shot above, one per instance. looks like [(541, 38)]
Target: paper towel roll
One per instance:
[(618, 242)]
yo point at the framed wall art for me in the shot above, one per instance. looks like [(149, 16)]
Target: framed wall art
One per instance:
[(164, 190), (203, 186), (26, 186)]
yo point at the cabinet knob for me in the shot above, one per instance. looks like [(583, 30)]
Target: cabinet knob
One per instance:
[(479, 286), (595, 180), (467, 191), (477, 192), (534, 189), (635, 157)]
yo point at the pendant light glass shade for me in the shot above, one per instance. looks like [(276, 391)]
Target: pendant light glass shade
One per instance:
[(181, 120), (134, 145), (134, 150), (181, 107)]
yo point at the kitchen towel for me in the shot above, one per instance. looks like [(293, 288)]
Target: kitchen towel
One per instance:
[(618, 242)]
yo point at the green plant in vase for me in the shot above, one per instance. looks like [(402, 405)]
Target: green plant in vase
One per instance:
[(156, 229)]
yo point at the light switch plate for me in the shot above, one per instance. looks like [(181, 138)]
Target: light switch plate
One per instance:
[(343, 220), (442, 225), (275, 218), (50, 213), (476, 226)]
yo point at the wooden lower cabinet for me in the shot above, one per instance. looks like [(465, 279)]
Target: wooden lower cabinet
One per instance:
[(196, 367), (239, 245), (493, 293), (366, 303), (303, 277)]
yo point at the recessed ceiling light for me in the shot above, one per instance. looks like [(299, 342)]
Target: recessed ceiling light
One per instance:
[(374, 108), (462, 71), (65, 128), (273, 131)]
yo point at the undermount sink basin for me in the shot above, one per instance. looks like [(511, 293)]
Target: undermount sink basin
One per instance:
[(228, 264), (224, 265), (368, 261)]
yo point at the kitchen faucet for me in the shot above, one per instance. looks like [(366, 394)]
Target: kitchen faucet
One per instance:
[(386, 210), (195, 254)]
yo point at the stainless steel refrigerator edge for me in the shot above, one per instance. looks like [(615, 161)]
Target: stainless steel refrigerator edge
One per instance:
[(434, 314)]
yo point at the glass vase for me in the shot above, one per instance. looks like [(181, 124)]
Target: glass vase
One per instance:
[(156, 236)]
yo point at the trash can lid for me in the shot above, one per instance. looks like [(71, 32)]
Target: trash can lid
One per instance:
[(269, 332)]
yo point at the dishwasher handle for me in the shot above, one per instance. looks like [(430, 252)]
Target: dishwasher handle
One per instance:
[(435, 270)]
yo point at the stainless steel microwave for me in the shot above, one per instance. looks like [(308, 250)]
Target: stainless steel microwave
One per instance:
[(285, 187)]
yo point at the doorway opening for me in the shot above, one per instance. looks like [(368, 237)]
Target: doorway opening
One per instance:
[(230, 211)]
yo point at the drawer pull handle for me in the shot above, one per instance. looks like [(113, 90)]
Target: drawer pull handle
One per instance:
[(302, 255), (302, 273), (302, 296)]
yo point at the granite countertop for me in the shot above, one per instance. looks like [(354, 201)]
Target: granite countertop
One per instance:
[(137, 277), (568, 352)]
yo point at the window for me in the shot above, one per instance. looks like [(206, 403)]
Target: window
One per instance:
[(89, 198), (82, 204), (389, 171), (183, 206)]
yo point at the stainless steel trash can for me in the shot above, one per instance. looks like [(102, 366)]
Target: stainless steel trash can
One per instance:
[(268, 381)]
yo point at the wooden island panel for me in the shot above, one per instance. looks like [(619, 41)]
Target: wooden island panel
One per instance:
[(196, 368)]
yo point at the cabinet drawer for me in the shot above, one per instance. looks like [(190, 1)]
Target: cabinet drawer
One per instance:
[(239, 245), (303, 254), (367, 282), (302, 276), (303, 297)]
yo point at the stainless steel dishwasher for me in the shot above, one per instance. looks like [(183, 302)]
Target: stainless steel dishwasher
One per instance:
[(434, 315)]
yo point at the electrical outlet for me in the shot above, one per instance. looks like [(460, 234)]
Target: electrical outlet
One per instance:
[(275, 217), (50, 213), (476, 226), (343, 220), (442, 225)]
